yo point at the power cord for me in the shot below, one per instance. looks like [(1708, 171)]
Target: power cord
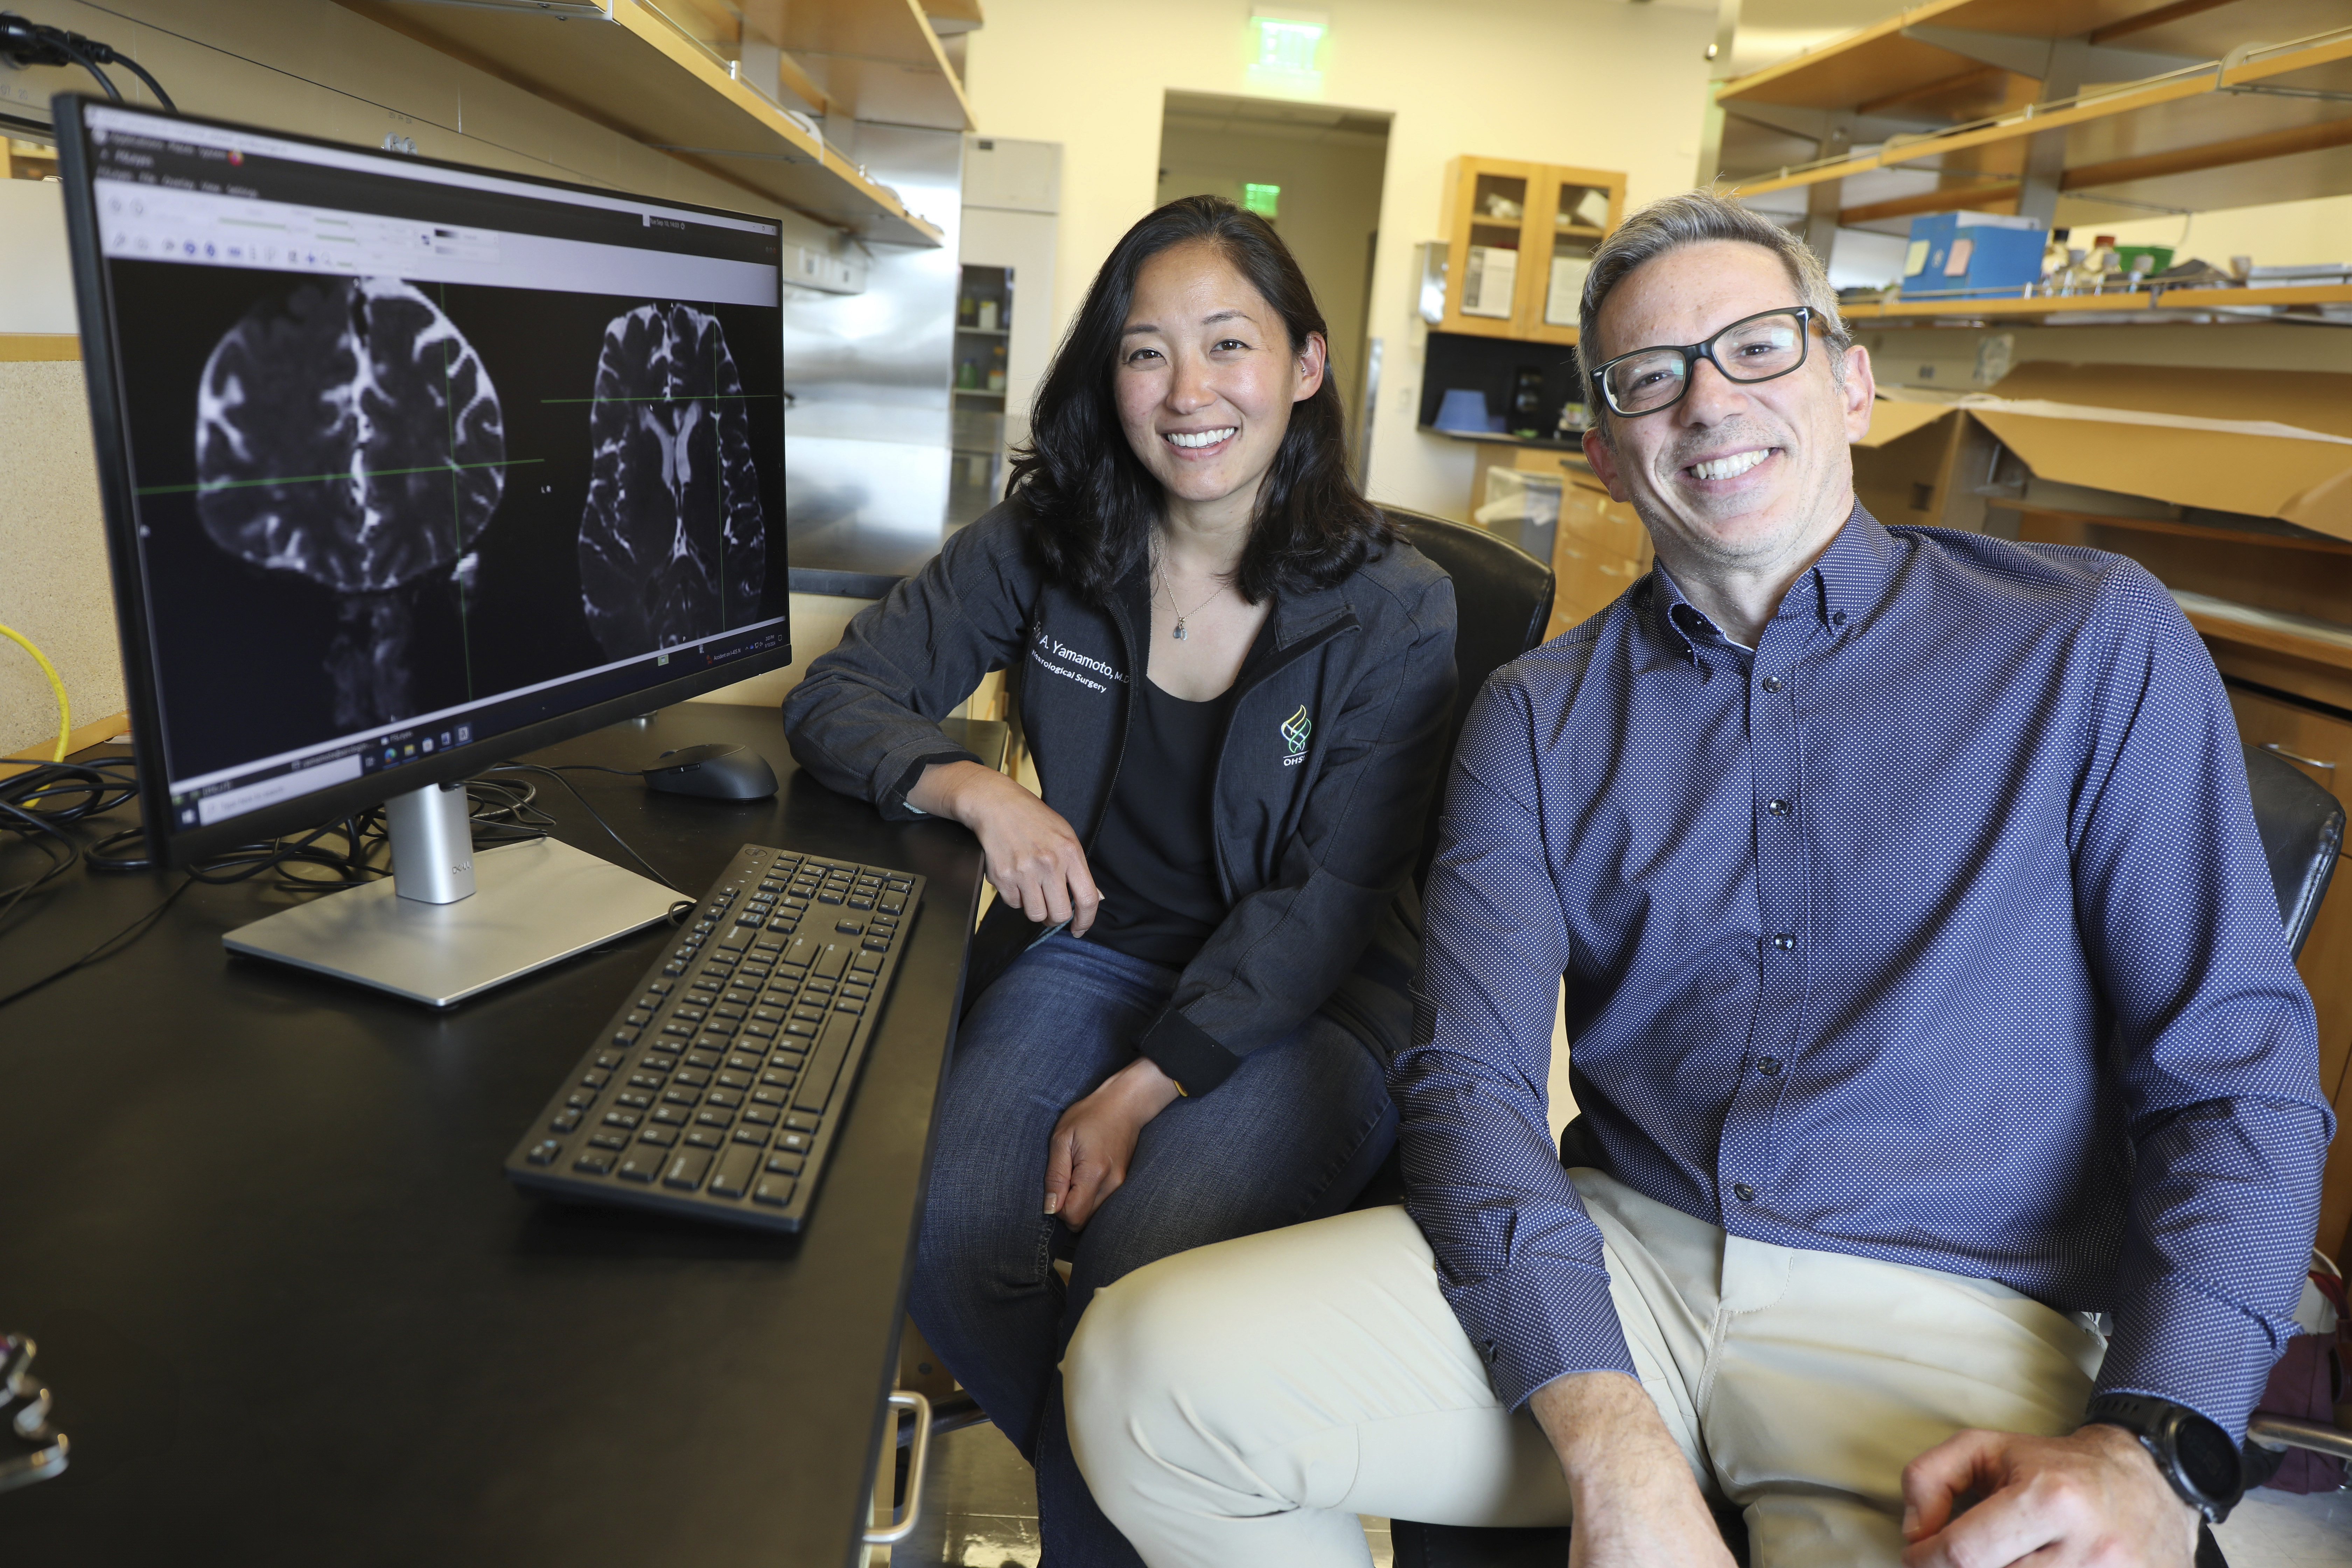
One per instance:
[(24, 42)]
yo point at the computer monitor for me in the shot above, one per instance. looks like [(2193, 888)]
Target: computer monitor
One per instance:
[(408, 468)]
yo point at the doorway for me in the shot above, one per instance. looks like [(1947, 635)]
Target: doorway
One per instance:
[(1315, 172)]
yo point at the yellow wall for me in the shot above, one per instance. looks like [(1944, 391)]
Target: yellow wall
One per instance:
[(1565, 81), (2278, 235)]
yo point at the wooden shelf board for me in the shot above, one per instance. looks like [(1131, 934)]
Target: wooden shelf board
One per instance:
[(2135, 99), (642, 77), (880, 58), (2051, 305), (2248, 299), (2237, 536), (2320, 642)]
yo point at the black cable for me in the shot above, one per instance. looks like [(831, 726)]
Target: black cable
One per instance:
[(135, 69), (592, 811), (83, 59), (100, 953)]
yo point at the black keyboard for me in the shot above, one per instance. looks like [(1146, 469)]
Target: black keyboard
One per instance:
[(716, 1090)]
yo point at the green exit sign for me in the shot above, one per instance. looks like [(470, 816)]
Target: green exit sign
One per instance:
[(1263, 200)]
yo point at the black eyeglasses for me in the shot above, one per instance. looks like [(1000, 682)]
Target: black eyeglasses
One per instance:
[(1755, 348)]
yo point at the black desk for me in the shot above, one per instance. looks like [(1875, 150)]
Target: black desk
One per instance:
[(292, 1313)]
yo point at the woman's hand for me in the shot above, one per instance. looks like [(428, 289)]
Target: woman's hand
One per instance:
[(1035, 858), (1087, 1159)]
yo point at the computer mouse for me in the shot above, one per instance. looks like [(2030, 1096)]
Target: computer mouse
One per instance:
[(715, 773)]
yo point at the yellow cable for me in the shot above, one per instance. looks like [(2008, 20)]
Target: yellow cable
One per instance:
[(56, 684)]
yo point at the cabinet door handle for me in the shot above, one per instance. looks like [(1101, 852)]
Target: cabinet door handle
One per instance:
[(2292, 757)]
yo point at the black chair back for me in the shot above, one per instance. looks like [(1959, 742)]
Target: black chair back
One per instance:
[(1502, 598), (2302, 829)]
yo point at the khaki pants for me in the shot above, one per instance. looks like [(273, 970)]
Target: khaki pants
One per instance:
[(1237, 1406)]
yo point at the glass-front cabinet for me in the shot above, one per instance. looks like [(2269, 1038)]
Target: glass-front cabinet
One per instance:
[(976, 442), (1520, 237)]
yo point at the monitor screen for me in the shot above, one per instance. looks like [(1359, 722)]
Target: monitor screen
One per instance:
[(409, 467)]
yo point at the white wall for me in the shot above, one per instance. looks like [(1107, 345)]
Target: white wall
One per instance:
[(35, 277), (1565, 81)]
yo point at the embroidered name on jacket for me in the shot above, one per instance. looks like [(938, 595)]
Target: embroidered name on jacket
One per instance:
[(1070, 656), (1295, 731)]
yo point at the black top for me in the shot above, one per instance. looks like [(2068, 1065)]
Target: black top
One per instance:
[(1154, 856)]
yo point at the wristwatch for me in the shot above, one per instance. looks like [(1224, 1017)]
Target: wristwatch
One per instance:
[(2191, 1452)]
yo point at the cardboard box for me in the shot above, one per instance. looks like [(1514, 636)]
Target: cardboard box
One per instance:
[(1972, 256)]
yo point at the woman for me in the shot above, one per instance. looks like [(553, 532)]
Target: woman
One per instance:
[(1234, 681)]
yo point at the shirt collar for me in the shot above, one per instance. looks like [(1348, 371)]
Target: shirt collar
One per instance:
[(1838, 588)]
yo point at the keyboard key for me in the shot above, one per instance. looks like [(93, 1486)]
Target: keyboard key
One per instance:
[(755, 1136), (792, 1142), (877, 944), (716, 1045), (714, 1116), (701, 1058), (620, 1119), (893, 903), (637, 1020), (580, 1099), (682, 1096), (728, 1099), (659, 1137), (760, 1115), (642, 1166), (775, 1190), (849, 927), (646, 1080), (634, 1100), (815, 1087), (705, 1137), (667, 1044), (775, 1096), (767, 1015), (594, 1163), (597, 1080), (667, 1115), (742, 1063), (737, 1167), (804, 1029), (687, 1015), (757, 1030), (609, 1140), (854, 1009), (568, 1121), (677, 1031), (659, 988), (865, 963), (686, 1171), (693, 1078), (609, 1058), (735, 941), (785, 1164), (831, 962), (658, 1065), (802, 1121), (545, 1151)]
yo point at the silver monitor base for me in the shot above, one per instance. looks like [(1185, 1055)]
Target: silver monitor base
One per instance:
[(534, 904)]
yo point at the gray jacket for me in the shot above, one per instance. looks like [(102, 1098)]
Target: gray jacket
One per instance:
[(1323, 778)]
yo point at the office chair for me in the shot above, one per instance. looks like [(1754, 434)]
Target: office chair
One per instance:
[(1502, 600), (2302, 830)]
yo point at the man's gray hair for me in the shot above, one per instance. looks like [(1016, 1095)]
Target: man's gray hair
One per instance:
[(1694, 217)]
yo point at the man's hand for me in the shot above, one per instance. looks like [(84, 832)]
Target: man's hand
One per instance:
[(1636, 1504), (2096, 1498), (1087, 1159), (1034, 855)]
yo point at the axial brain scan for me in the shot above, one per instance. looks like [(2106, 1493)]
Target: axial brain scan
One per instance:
[(673, 545), (347, 431)]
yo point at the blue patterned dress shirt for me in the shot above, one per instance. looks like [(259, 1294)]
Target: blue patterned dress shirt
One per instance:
[(1935, 929)]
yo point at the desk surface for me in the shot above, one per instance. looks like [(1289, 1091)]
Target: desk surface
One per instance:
[(292, 1312)]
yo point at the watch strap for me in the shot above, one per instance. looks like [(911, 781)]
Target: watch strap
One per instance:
[(2192, 1452)]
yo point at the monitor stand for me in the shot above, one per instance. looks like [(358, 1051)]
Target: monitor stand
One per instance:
[(451, 923)]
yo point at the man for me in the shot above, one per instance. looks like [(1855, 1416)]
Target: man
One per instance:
[(1929, 999)]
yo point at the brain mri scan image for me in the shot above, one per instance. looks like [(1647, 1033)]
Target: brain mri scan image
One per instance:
[(673, 545), (348, 432)]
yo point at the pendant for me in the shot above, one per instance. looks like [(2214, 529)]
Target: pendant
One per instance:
[(1179, 633)]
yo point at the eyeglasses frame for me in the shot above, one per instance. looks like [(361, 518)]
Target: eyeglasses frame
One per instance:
[(1807, 317)]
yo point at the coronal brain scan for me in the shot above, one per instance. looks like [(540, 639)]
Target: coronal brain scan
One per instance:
[(346, 431), (672, 542)]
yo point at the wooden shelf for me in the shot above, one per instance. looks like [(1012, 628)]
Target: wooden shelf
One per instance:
[(635, 70), (2151, 304), (2199, 120), (2304, 636), (878, 59), (2234, 537)]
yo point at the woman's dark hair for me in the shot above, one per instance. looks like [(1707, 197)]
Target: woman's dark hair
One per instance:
[(1092, 503)]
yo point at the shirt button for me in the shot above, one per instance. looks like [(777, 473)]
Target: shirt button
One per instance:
[(1769, 1066), (1744, 1192), (1776, 808), (1784, 941), (1771, 683), (1837, 617)]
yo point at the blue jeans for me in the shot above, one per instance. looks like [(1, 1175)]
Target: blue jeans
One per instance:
[(1293, 1135)]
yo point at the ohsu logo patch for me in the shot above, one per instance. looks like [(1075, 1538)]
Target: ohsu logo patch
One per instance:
[(1295, 731)]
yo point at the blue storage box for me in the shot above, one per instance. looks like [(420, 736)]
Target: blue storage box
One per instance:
[(1972, 256)]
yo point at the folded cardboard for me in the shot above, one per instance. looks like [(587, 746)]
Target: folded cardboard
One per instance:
[(2271, 444)]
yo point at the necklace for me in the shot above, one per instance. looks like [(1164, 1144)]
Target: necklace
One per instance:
[(1160, 570)]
